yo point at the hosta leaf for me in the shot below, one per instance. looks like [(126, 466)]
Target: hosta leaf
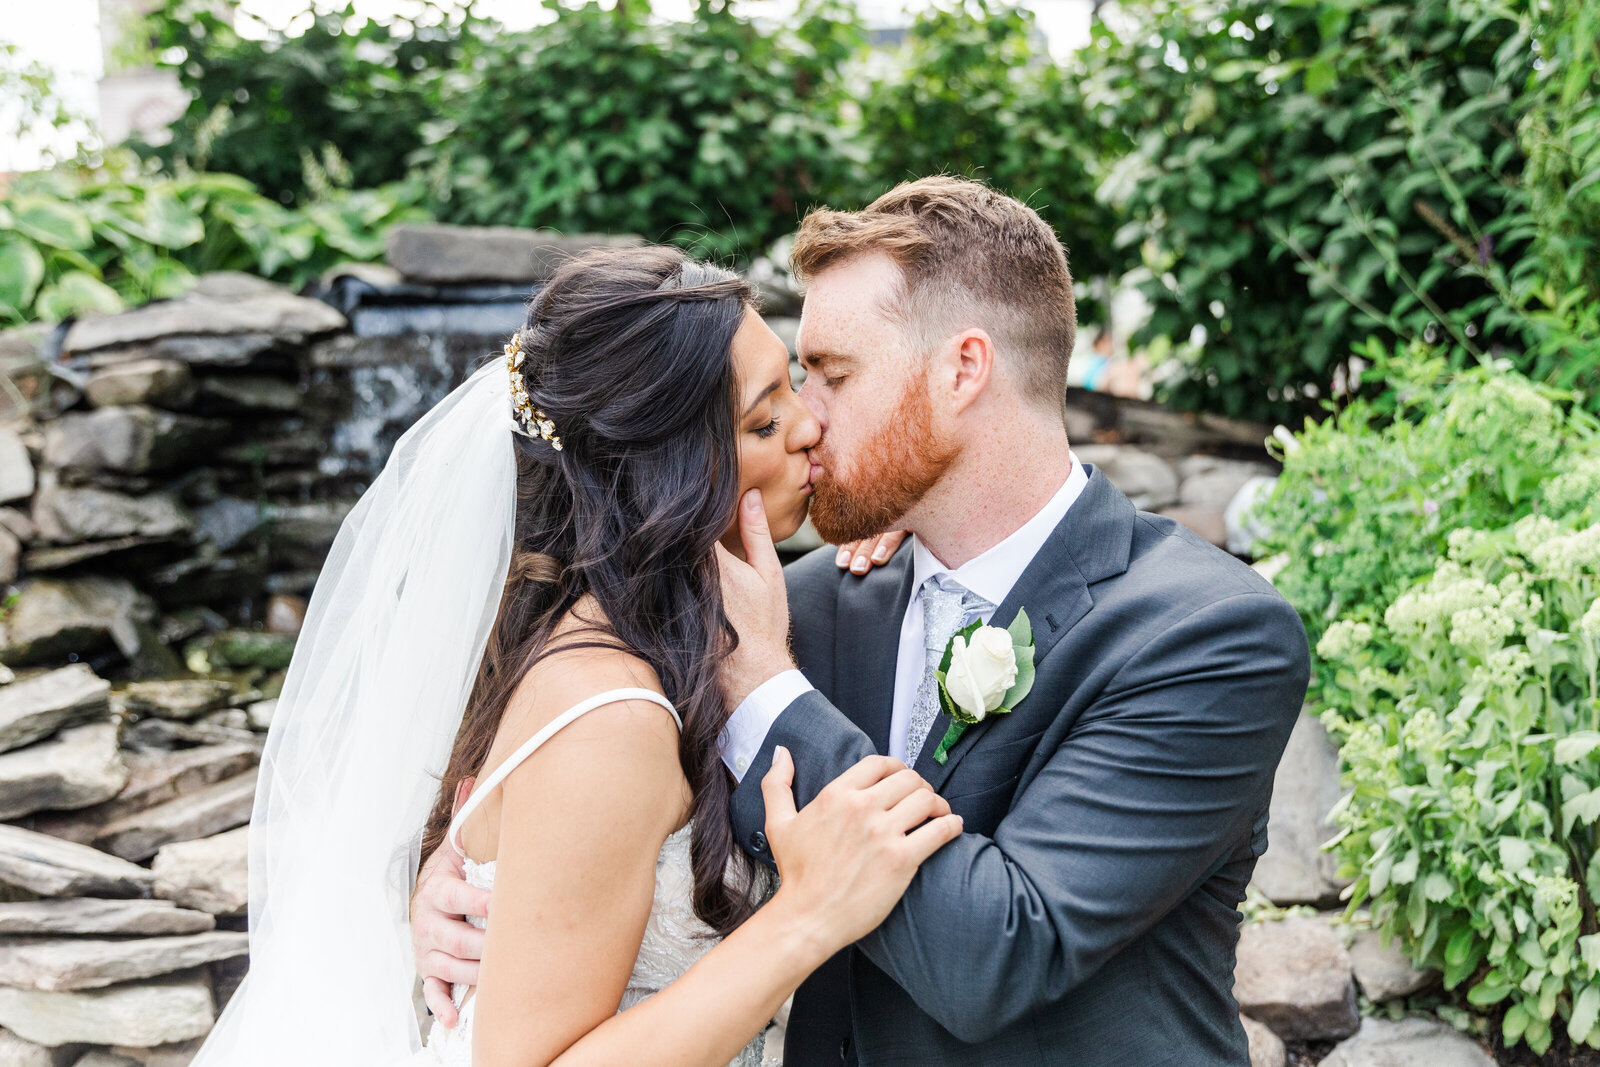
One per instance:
[(51, 222), (75, 293), (21, 271), (1584, 808), (1585, 1012)]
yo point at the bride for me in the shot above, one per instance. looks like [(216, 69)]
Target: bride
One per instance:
[(525, 604)]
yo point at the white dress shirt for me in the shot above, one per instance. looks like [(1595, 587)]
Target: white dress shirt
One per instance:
[(991, 575)]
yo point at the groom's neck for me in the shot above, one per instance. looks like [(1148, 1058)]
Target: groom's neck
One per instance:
[(1003, 477)]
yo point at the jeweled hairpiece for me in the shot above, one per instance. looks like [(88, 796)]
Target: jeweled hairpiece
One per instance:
[(535, 423)]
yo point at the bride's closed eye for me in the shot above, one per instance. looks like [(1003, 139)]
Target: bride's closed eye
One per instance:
[(768, 430)]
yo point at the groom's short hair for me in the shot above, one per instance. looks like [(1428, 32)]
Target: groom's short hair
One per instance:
[(969, 256)]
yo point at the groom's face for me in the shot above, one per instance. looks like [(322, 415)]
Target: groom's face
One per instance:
[(881, 447)]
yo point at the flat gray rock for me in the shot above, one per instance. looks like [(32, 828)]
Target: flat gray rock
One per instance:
[(107, 1058), (67, 515), (215, 808), (1266, 1047), (51, 867), (1294, 869), (1411, 1042), (253, 392), (210, 875), (1383, 971), (440, 253), (34, 708), (138, 1014), (223, 303), (1295, 975), (56, 965), (91, 915), (162, 383), (1143, 477), (16, 468), (53, 618), (77, 767), (178, 698), (128, 440)]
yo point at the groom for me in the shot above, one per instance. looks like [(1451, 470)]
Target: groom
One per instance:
[(1113, 818)]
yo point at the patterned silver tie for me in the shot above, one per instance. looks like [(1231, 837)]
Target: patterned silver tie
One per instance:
[(947, 606)]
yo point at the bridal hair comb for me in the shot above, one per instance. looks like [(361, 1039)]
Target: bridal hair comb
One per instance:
[(535, 423)]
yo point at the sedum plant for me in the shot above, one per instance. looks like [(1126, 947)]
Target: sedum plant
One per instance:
[(1469, 722)]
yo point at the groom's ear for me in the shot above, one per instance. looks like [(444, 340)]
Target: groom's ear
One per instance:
[(971, 367)]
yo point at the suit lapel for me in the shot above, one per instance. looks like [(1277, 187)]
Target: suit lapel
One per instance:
[(871, 609), (1091, 543)]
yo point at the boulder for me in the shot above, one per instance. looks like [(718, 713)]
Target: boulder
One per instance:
[(1266, 1047), (302, 534), (16, 468), (1210, 483), (1295, 975), (130, 440), (10, 556), (221, 303), (162, 383), (17, 1052), (1208, 524), (248, 393), (1382, 970), (56, 965), (261, 713), (1411, 1042), (52, 867), (213, 809), (18, 524), (177, 698), (243, 649), (68, 515), (53, 618), (74, 769), (1143, 477), (285, 614), (140, 1014), (106, 1058), (214, 350), (1294, 869), (1244, 530), (36, 707), (450, 254), (88, 915), (209, 875), (164, 734)]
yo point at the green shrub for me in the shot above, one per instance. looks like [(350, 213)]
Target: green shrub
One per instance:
[(1369, 497), (1469, 721), (74, 240), (714, 132), (343, 92)]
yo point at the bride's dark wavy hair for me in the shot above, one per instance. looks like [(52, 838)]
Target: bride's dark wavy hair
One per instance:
[(629, 354)]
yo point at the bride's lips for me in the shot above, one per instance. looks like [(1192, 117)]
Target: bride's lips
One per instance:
[(811, 478)]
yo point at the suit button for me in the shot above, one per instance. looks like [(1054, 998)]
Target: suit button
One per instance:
[(758, 841)]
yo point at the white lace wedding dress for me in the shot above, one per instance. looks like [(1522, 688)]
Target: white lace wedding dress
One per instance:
[(674, 937)]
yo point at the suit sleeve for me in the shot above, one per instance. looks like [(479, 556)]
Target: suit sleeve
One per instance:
[(1155, 782)]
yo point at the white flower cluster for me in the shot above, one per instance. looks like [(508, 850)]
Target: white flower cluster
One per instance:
[(1534, 530), (1449, 591), (1466, 543), (1480, 627), (1576, 488), (1589, 625), (1343, 638), (1506, 668), (1503, 405), (1569, 555)]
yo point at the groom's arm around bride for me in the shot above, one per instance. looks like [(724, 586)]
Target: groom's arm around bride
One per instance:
[(1088, 913)]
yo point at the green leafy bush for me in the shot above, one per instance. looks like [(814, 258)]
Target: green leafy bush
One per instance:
[(1469, 721), (341, 92), (75, 240), (973, 91), (714, 132), (1369, 497)]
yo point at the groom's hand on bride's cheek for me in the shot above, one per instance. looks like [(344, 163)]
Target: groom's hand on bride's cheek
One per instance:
[(757, 604), (859, 557), (447, 947)]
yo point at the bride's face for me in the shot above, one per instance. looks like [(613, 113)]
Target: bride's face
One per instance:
[(775, 430)]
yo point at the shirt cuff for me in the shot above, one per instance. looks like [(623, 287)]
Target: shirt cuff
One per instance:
[(746, 729)]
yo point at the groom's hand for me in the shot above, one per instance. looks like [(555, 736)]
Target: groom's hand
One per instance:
[(757, 604)]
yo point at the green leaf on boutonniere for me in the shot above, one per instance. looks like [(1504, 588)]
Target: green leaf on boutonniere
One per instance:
[(965, 633)]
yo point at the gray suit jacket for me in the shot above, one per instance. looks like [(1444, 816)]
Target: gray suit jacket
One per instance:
[(1087, 916)]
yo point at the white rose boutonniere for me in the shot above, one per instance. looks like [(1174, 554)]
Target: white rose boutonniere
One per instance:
[(985, 671)]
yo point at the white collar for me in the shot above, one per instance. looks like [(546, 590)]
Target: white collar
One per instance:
[(992, 573)]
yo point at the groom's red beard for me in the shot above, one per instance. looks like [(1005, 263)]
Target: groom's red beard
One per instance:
[(893, 470)]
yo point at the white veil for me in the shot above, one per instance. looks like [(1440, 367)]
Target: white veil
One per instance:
[(374, 695)]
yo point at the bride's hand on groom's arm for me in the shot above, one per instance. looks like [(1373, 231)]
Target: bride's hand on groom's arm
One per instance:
[(447, 947)]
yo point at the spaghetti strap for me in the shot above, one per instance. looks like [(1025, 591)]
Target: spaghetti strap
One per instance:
[(554, 726)]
